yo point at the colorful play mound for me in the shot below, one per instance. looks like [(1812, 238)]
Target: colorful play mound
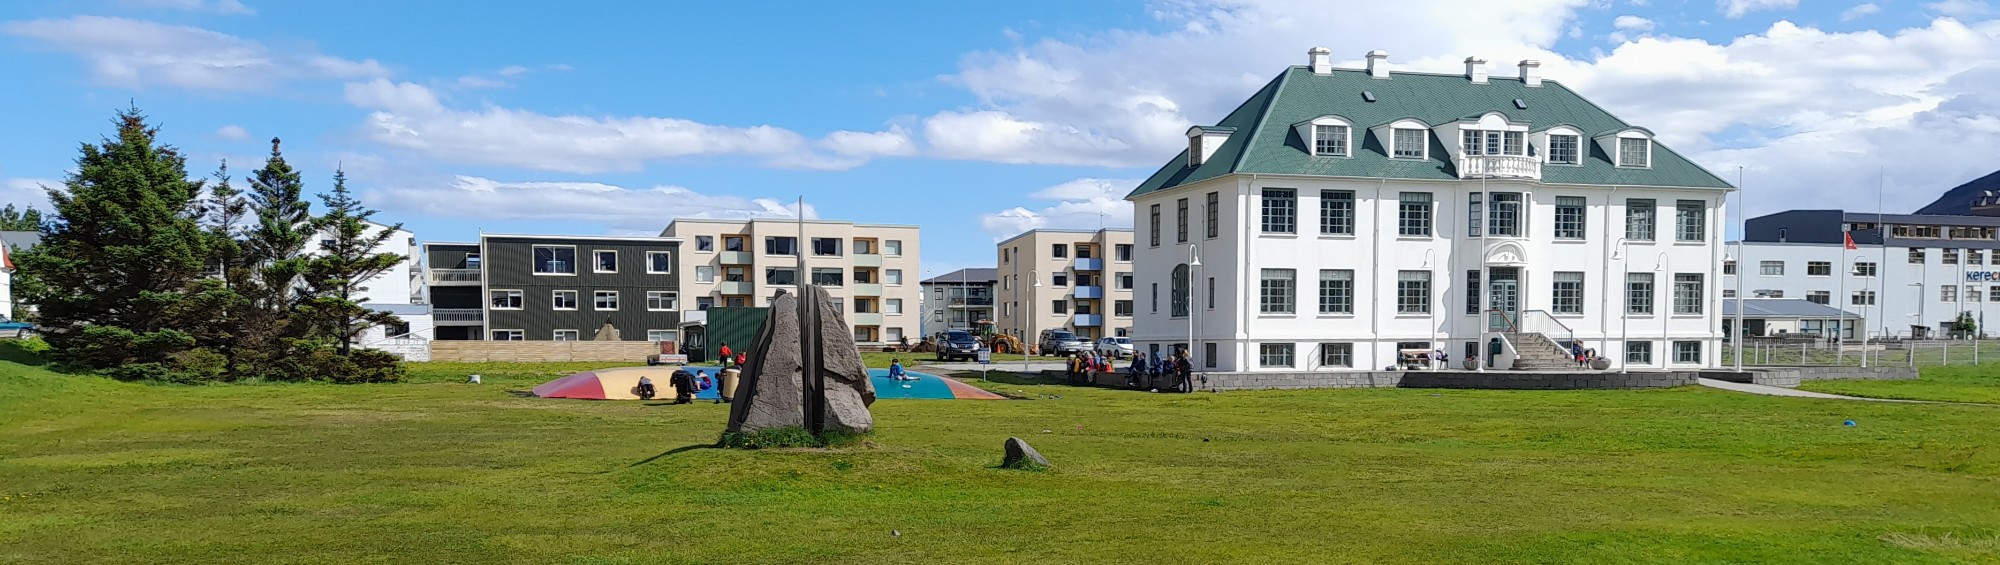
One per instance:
[(623, 384)]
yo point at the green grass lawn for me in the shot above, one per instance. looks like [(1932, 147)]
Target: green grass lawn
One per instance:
[(435, 471), (1958, 383)]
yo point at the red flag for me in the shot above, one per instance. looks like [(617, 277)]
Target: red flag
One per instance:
[(1849, 236)]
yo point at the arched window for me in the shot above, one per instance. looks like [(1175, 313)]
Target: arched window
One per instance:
[(1180, 291)]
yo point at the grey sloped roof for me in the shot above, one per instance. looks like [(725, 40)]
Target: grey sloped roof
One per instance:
[(21, 239), (1781, 308), (967, 275)]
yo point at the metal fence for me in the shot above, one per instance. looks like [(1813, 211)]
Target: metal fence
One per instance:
[(1893, 353)]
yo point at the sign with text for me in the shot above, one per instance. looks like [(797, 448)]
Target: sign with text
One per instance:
[(1982, 276)]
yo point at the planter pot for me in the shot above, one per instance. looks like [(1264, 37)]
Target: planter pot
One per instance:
[(1471, 364), (1600, 363)]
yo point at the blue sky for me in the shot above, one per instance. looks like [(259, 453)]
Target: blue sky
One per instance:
[(972, 120)]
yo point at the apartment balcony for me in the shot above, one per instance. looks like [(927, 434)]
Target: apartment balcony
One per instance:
[(1091, 264), (1499, 167), (737, 257), (864, 289), (865, 318), (731, 288), (458, 316), (867, 260), (455, 277), (1087, 320), (968, 303), (1088, 292)]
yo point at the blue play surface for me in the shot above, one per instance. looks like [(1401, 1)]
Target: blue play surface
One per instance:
[(925, 386)]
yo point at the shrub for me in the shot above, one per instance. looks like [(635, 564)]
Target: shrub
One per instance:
[(318, 362), (789, 436)]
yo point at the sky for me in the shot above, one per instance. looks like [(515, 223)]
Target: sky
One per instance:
[(972, 120)]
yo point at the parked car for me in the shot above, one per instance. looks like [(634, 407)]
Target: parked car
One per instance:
[(958, 344), (1062, 342), (1115, 347), (22, 330)]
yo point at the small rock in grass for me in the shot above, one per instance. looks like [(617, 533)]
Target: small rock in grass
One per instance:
[(1021, 456)]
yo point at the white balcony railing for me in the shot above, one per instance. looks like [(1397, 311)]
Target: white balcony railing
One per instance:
[(447, 276), (458, 315), (1499, 166)]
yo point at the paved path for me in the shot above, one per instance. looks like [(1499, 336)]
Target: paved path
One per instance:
[(998, 365), (1768, 390)]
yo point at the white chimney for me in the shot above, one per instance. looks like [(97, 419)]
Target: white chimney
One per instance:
[(1475, 69), (1531, 72), (1378, 64), (1321, 60)]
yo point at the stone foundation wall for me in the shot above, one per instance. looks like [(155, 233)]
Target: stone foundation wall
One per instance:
[(1790, 377), (478, 351)]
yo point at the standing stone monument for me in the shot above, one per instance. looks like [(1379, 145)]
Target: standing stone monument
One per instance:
[(779, 376)]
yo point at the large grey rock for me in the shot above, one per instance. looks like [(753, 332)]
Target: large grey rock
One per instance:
[(772, 391), (1019, 453)]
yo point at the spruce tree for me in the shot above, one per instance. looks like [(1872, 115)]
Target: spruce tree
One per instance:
[(117, 275), (29, 219), (346, 259)]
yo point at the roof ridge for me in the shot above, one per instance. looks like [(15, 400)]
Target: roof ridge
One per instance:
[(1263, 112)]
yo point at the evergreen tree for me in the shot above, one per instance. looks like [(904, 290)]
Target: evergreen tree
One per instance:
[(224, 212), (346, 259), (21, 220), (116, 278), (274, 245)]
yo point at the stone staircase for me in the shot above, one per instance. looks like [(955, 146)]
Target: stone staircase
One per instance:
[(1539, 353)]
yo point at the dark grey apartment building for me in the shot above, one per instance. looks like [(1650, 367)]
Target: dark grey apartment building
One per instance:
[(547, 287)]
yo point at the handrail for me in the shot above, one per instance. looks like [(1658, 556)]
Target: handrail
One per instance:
[(1532, 321)]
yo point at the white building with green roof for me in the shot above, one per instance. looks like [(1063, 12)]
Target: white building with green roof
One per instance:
[(1345, 217)]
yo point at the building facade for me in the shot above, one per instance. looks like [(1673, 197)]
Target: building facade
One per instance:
[(398, 290), (959, 300), (1911, 275), (1076, 280), (562, 288), (1341, 218), (739, 263)]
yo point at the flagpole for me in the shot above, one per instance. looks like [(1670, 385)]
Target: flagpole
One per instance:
[(1840, 333), (1742, 213)]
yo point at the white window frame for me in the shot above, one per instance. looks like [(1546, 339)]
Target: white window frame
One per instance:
[(520, 299), (556, 304), (557, 335), (1423, 143), (892, 247), (1342, 138), (652, 296), (534, 266), (649, 263), (699, 269), (596, 265), (596, 295), (1646, 159), (518, 335), (892, 277), (1575, 147), (892, 306), (653, 335)]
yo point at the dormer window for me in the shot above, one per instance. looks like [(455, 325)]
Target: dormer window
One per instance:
[(1491, 142), (1408, 143), (1565, 149), (1330, 140), (1635, 152)]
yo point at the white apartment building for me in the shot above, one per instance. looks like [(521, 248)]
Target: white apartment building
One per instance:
[(1915, 283), (1341, 217), (959, 300), (1076, 280), (399, 291), (742, 263)]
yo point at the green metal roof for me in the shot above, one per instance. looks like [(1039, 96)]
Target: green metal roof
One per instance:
[(1265, 142)]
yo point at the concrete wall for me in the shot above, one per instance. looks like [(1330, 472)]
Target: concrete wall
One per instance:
[(1505, 380), (1790, 377), (629, 352)]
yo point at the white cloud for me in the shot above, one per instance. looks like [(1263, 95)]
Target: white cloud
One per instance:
[(410, 116), (225, 7), (619, 209), (1859, 11), (232, 132), (135, 53), (504, 77), (24, 192), (1086, 203), (1960, 8), (1632, 23), (1737, 8)]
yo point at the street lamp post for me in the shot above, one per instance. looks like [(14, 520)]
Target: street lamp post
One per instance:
[(1036, 278), (1625, 321), (1430, 254), (1666, 315), (1194, 260)]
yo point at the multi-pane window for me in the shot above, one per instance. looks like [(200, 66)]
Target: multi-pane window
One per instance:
[(1153, 297), (661, 335), (704, 274), (1771, 268), (1179, 297), (1413, 292), (1948, 293), (1504, 214), (605, 261), (1275, 291), (1123, 280), (1916, 256), (1563, 149), (1864, 269), (1640, 216), (1330, 140), (826, 247), (1949, 257), (662, 300), (892, 306), (892, 247), (1474, 211), (1686, 352), (781, 275), (1059, 278), (1568, 289), (1569, 217), (1514, 143), (1729, 266), (1408, 144), (1210, 289), (659, 263), (1181, 221), (1336, 291), (1336, 212), (785, 245), (1214, 213), (1059, 307), (505, 299), (1993, 294), (1059, 250), (1819, 296), (1470, 141), (1274, 355), (1336, 354), (735, 243), (1867, 297), (1485, 142), (509, 335), (1972, 293), (1973, 257), (1639, 293), (555, 260), (1414, 214), (1121, 308), (604, 300), (828, 276), (1687, 293), (1634, 152), (1819, 268), (1281, 210), (563, 300), (1472, 291), (892, 277), (1639, 352), (1122, 252), (1153, 225), (1690, 220)]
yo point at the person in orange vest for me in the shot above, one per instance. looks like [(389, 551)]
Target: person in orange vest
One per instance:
[(725, 355)]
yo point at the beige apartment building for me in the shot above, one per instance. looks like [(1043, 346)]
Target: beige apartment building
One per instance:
[(871, 269), (1085, 283)]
